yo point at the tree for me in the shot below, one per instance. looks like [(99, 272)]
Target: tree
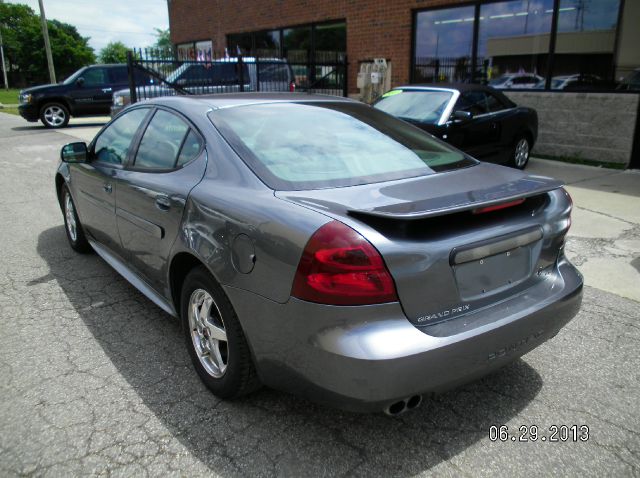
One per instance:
[(24, 46), (163, 39), (114, 52)]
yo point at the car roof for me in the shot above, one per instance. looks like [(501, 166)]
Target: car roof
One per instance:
[(228, 100)]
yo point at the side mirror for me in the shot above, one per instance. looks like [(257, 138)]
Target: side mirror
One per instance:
[(80, 81), (74, 153), (460, 116)]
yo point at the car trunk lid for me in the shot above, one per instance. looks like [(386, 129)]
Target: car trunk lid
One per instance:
[(447, 246)]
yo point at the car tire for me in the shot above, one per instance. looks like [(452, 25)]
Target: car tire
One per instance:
[(521, 152), (54, 115), (214, 337), (73, 228)]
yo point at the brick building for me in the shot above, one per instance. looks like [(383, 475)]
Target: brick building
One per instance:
[(581, 53)]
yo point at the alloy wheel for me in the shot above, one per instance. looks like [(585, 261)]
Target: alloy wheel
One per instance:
[(522, 153), (208, 333), (70, 216), (55, 116)]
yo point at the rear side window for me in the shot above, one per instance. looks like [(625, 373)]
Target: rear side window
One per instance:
[(161, 142), (190, 148), (113, 144), (119, 75), (523, 80), (216, 74)]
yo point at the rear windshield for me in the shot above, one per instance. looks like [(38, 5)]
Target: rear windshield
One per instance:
[(422, 106), (312, 145), (274, 71)]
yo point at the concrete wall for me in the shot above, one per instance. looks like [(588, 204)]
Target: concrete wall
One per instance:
[(595, 126)]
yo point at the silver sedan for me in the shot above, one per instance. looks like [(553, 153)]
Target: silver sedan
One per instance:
[(316, 245)]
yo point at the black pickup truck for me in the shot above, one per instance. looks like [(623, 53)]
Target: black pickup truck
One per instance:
[(88, 92)]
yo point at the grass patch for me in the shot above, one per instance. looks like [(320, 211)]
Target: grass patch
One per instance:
[(586, 162), (12, 111), (9, 97)]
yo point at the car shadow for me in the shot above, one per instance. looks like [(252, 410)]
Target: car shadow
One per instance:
[(41, 127), (269, 432)]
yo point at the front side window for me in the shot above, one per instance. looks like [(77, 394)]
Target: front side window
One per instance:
[(330, 144), (474, 102), (114, 143), (161, 142), (422, 106)]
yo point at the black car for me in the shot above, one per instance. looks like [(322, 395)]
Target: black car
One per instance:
[(477, 119), (88, 92)]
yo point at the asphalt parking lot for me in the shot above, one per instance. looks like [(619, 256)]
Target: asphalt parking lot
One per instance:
[(95, 379)]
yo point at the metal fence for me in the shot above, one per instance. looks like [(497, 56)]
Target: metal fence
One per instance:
[(154, 73), (448, 70)]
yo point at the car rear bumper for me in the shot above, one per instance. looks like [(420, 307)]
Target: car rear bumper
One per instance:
[(366, 358), (29, 112)]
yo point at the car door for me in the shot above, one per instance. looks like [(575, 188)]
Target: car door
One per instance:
[(504, 127), (92, 94), (94, 183), (153, 189), (477, 136), (118, 80)]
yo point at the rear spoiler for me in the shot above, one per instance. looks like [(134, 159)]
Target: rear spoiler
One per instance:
[(459, 202)]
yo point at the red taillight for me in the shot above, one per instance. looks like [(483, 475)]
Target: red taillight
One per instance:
[(292, 87), (340, 267), (497, 207)]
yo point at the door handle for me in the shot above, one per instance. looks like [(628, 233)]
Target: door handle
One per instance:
[(107, 188), (163, 203), (106, 90)]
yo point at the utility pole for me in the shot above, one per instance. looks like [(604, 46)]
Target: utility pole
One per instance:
[(47, 45), (4, 65)]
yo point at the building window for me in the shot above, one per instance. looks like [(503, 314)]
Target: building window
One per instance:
[(513, 42), (585, 44), (268, 43), (444, 45), (329, 38), (240, 43), (296, 43)]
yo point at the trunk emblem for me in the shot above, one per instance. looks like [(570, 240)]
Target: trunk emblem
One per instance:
[(444, 314)]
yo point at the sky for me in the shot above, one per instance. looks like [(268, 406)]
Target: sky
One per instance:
[(129, 21)]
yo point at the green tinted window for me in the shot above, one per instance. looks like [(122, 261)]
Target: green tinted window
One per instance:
[(112, 146), (330, 144)]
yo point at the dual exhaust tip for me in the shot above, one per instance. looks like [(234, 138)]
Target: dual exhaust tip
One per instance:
[(401, 406)]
